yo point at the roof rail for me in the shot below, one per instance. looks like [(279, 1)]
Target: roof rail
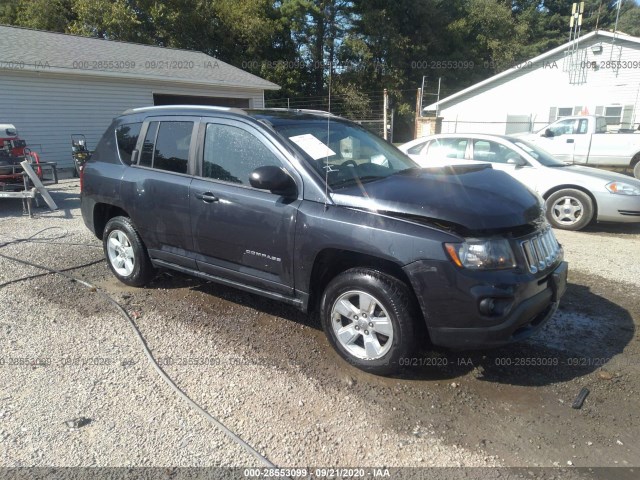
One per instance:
[(184, 107), (302, 110)]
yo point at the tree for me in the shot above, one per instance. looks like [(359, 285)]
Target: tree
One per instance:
[(51, 15)]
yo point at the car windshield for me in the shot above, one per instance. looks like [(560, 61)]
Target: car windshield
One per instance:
[(344, 152), (541, 155)]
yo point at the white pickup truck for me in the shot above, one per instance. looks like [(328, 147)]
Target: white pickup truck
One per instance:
[(584, 140)]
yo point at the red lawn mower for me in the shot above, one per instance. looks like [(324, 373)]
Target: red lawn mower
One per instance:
[(14, 150)]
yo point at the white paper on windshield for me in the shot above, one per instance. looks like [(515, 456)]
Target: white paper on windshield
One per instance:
[(314, 147)]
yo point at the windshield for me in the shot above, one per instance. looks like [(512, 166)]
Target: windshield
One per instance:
[(542, 156), (345, 152)]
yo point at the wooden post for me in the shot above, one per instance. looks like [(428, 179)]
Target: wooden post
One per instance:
[(418, 106)]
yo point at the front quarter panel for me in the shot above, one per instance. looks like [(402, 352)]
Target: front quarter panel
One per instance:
[(342, 228)]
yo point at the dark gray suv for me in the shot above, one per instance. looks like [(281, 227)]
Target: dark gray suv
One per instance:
[(315, 211)]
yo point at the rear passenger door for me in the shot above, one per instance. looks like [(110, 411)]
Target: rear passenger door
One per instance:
[(239, 232), (157, 187)]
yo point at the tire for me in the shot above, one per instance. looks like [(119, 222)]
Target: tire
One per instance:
[(390, 309), (569, 209), (126, 255), (636, 169)]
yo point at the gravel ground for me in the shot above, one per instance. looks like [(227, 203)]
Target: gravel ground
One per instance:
[(268, 373)]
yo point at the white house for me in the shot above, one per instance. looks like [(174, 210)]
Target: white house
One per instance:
[(597, 74), (53, 85)]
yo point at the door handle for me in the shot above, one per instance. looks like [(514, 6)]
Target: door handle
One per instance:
[(570, 140), (207, 197)]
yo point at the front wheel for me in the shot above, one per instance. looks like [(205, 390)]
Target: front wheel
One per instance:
[(636, 169), (126, 254), (370, 319), (569, 209)]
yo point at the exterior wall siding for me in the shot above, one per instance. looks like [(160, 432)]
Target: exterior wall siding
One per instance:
[(535, 89), (46, 108)]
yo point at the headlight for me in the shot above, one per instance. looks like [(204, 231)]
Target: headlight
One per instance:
[(492, 254), (622, 188)]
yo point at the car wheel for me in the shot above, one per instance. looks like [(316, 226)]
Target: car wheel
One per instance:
[(569, 209), (370, 319), (636, 170), (126, 254)]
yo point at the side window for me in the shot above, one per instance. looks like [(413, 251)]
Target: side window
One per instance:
[(565, 127), (146, 155), (583, 126), (172, 146), (417, 149), (127, 137), (231, 154), (493, 152), (447, 148)]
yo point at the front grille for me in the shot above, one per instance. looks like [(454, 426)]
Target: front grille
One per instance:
[(541, 250)]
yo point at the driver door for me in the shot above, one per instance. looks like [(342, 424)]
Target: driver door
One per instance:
[(566, 137), (241, 232)]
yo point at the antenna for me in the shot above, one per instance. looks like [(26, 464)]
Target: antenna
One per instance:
[(326, 163), (575, 59)]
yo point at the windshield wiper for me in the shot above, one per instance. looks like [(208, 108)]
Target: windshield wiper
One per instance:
[(352, 180)]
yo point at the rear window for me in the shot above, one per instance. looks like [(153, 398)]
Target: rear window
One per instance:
[(127, 137)]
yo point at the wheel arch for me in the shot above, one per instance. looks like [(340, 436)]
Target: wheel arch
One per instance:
[(330, 262), (635, 162), (102, 213)]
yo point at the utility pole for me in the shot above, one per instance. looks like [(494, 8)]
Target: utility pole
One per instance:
[(385, 110)]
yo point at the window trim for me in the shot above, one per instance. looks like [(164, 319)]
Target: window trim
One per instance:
[(260, 136)]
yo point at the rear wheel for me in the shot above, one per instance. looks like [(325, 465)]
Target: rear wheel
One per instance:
[(636, 168), (126, 254), (369, 318), (569, 209)]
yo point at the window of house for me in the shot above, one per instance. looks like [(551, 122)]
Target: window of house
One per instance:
[(613, 115), (564, 112), (231, 154)]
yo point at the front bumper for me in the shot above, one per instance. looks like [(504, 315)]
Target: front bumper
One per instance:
[(618, 208), (450, 304)]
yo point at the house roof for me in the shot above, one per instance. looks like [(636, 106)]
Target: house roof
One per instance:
[(539, 58), (36, 50)]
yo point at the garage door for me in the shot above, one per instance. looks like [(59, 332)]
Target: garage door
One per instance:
[(163, 99)]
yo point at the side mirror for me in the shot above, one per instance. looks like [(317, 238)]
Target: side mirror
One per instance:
[(517, 161), (274, 179), (548, 133)]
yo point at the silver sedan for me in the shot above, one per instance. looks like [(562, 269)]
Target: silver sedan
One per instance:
[(575, 195)]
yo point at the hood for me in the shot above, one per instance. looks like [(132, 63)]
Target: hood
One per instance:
[(598, 173), (472, 198)]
